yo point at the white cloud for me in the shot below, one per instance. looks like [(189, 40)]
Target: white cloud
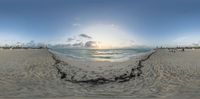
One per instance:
[(190, 40), (76, 24)]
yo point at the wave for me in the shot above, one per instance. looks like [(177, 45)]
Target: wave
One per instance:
[(101, 55)]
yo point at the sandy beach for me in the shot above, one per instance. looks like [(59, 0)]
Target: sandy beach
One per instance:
[(38, 73)]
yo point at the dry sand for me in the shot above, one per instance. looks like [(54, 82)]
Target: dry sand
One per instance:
[(30, 73), (36, 73)]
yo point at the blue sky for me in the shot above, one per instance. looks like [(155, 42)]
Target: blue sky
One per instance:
[(152, 22)]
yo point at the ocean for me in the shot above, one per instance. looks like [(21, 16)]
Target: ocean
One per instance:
[(111, 55)]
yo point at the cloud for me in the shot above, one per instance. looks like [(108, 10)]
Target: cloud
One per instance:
[(90, 44), (195, 44), (76, 24), (78, 40), (181, 39), (70, 39), (80, 44), (132, 41), (68, 45), (187, 41), (85, 36)]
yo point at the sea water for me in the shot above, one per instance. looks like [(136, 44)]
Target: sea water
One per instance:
[(111, 55)]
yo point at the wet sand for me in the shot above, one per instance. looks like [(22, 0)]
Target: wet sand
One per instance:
[(37, 73)]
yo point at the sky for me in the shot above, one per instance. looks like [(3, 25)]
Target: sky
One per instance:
[(105, 23)]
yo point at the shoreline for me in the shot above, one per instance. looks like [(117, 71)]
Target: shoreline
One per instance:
[(135, 72)]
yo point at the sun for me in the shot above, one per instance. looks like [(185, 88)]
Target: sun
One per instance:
[(108, 36)]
